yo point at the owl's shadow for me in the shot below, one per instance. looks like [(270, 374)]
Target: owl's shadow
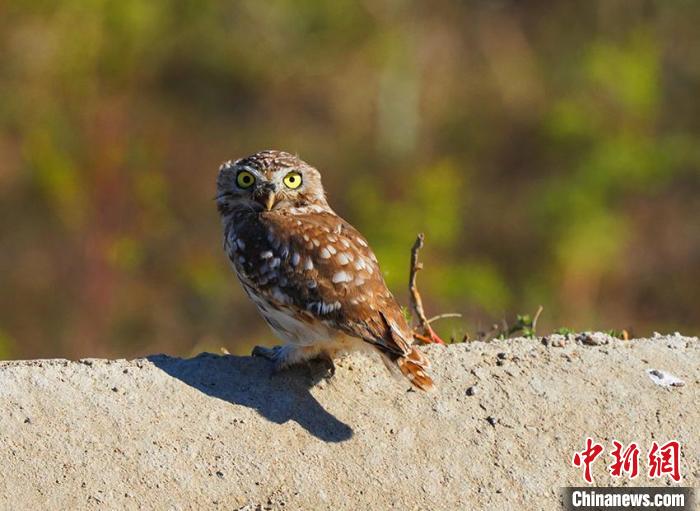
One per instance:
[(249, 381)]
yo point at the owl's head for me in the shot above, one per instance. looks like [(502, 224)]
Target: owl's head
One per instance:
[(268, 180)]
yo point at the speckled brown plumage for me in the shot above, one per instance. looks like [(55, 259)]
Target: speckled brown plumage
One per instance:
[(311, 274)]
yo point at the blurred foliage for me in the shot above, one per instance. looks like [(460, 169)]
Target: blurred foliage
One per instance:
[(549, 151)]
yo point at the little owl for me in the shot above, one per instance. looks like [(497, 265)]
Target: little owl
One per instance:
[(311, 274)]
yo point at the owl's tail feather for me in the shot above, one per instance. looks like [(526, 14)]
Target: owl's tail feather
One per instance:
[(414, 366)]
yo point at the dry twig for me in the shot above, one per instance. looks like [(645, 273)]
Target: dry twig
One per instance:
[(423, 331), (537, 316), (445, 315)]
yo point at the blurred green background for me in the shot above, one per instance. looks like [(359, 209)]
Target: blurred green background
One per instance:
[(549, 150)]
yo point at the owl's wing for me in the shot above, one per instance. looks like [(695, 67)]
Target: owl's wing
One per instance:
[(327, 270)]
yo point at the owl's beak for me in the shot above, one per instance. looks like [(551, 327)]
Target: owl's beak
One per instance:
[(269, 200), (265, 196)]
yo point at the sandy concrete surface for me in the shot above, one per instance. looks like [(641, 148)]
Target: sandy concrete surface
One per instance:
[(223, 432)]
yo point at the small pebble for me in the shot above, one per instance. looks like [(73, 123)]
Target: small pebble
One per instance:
[(491, 420), (472, 391)]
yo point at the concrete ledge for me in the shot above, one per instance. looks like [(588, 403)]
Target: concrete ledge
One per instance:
[(222, 432)]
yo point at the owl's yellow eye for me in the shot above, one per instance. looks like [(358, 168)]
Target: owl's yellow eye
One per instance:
[(292, 180), (245, 179)]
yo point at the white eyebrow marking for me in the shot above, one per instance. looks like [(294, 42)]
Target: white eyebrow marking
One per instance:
[(325, 254), (341, 276), (266, 255)]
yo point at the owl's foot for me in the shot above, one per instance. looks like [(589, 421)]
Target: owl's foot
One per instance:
[(325, 361), (284, 357), (268, 353), (278, 355)]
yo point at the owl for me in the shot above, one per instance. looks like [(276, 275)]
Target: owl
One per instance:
[(312, 275)]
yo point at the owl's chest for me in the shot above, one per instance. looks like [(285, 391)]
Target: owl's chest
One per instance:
[(256, 252)]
